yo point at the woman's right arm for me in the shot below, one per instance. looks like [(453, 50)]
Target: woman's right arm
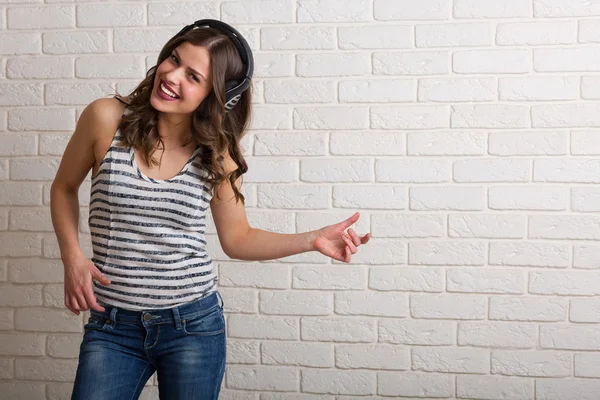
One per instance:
[(79, 157)]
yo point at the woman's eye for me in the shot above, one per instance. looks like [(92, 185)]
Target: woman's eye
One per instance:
[(174, 58), (194, 77)]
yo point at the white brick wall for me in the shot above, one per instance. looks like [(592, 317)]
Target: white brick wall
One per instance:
[(466, 132)]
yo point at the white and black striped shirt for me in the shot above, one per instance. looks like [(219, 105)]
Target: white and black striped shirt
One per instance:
[(148, 234)]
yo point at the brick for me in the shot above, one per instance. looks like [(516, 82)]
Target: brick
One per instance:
[(75, 42), (491, 9), (259, 327), (337, 170), (316, 355), (565, 115), (75, 94), (48, 17), (267, 379), (110, 15), (20, 194), (338, 330), (411, 63), (487, 61), (413, 170), (257, 12), (487, 226), (293, 196), (339, 382), (494, 388), (31, 169), (42, 119), (584, 310), (297, 38), (300, 91), (573, 59), (492, 170), (474, 361), (20, 295), (47, 319), (141, 40), (406, 279), (531, 363), (415, 384), (326, 117), (273, 65), (446, 253), (529, 254), (590, 85), (570, 337), (587, 365), (17, 94), (371, 303), (296, 303), (497, 334), (178, 13), (446, 198), (450, 35), (557, 8), (377, 91), (260, 276), (243, 352), (27, 270), (334, 10), (527, 198), (527, 309), (586, 256), (564, 227), (490, 116), (375, 37), (20, 43), (539, 88), (22, 344), (516, 143), (266, 117), (382, 197), (536, 33), (372, 357), (454, 90), (105, 66), (329, 278), (574, 170), (389, 10), (572, 283), (429, 306), (409, 117), (485, 280), (45, 369), (64, 346), (408, 225), (416, 332), (332, 64), (40, 68)]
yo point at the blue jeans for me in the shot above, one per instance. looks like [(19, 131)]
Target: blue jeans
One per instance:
[(121, 349)]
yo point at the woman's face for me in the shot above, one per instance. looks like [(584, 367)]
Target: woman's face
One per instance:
[(182, 80)]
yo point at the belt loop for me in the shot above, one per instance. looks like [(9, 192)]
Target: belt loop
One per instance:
[(177, 318), (113, 315), (221, 297)]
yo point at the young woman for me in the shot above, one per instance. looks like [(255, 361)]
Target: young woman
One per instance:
[(159, 159)]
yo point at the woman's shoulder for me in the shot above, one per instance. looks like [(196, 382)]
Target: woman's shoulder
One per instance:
[(101, 117)]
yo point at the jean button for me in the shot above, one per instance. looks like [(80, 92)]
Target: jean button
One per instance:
[(147, 317)]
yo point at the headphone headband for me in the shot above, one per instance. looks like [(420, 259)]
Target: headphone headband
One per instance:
[(233, 88)]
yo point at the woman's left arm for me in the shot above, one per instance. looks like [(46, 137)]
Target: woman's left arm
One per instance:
[(240, 241)]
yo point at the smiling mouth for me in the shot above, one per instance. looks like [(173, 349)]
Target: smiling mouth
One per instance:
[(163, 88)]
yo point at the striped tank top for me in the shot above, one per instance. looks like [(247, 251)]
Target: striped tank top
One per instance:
[(148, 234)]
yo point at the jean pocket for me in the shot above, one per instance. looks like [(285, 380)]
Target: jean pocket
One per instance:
[(206, 325), (96, 321)]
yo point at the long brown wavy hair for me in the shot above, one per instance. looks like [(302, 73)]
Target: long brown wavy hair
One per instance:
[(211, 127)]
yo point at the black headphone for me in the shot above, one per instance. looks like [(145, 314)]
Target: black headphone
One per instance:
[(233, 88)]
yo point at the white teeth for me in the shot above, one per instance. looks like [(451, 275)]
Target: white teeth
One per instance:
[(167, 91)]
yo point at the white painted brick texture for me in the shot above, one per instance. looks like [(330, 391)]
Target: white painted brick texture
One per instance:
[(466, 132)]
